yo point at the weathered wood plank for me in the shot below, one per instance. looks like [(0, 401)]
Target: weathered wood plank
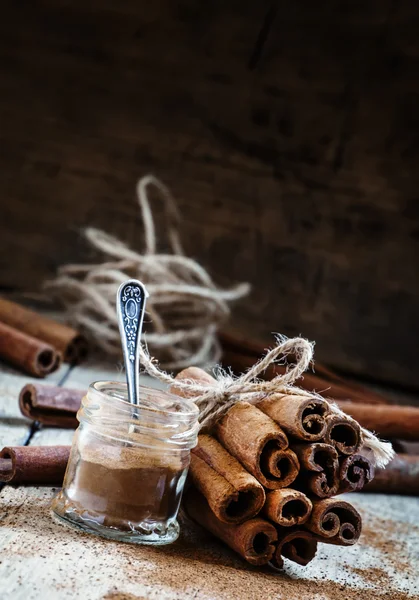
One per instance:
[(300, 167), (63, 563)]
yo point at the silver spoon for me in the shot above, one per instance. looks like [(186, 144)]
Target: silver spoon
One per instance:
[(130, 306)]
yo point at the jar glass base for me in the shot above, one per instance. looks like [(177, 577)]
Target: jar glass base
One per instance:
[(156, 534)]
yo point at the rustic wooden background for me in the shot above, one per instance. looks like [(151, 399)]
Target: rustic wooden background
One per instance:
[(287, 130)]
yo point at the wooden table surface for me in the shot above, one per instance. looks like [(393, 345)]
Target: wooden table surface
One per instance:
[(42, 559)]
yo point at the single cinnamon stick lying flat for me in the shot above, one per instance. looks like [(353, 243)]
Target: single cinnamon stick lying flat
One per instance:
[(319, 473), (297, 545), (232, 493), (241, 352), (66, 340), (343, 433), (335, 522), (400, 422), (355, 472), (401, 476), (33, 465), (27, 353), (302, 417), (253, 438), (287, 507), (50, 405), (254, 539)]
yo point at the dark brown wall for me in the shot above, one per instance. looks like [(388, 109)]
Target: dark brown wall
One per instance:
[(295, 165)]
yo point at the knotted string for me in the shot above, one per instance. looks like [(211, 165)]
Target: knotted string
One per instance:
[(215, 399), (185, 306)]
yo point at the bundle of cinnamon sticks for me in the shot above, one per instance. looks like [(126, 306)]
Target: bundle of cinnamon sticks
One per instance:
[(57, 406), (35, 343), (371, 409), (265, 478)]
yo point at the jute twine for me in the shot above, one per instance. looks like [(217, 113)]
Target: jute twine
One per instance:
[(185, 306), (214, 400)]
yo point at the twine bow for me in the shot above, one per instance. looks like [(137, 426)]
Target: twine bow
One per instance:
[(215, 399)]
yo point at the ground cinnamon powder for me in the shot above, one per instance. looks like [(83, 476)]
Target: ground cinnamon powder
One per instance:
[(121, 486)]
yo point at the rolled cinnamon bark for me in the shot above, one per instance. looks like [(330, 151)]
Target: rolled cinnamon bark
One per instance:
[(355, 472), (287, 507), (401, 476), (66, 340), (51, 405), (297, 545), (27, 353), (343, 433), (302, 417), (319, 469), (335, 522), (33, 465), (392, 421), (254, 539), (259, 444), (254, 439), (231, 492)]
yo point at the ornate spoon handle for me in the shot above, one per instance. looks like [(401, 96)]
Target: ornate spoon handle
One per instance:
[(130, 305)]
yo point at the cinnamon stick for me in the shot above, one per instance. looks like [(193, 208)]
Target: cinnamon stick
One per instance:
[(66, 340), (27, 353), (297, 545), (259, 444), (241, 352), (319, 469), (254, 539), (335, 522), (355, 472), (287, 507), (50, 405), (302, 417), (254, 439), (401, 476), (343, 433), (393, 421), (232, 493), (33, 465)]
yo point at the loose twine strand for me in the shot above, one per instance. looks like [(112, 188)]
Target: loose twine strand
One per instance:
[(215, 399), (185, 306)]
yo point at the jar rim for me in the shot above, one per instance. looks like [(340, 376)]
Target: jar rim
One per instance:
[(163, 417), (182, 408)]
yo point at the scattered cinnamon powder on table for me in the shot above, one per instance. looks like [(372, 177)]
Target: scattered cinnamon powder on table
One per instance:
[(388, 538), (199, 566), (373, 575), (122, 596)]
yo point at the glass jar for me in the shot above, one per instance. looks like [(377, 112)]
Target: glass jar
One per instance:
[(128, 464)]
